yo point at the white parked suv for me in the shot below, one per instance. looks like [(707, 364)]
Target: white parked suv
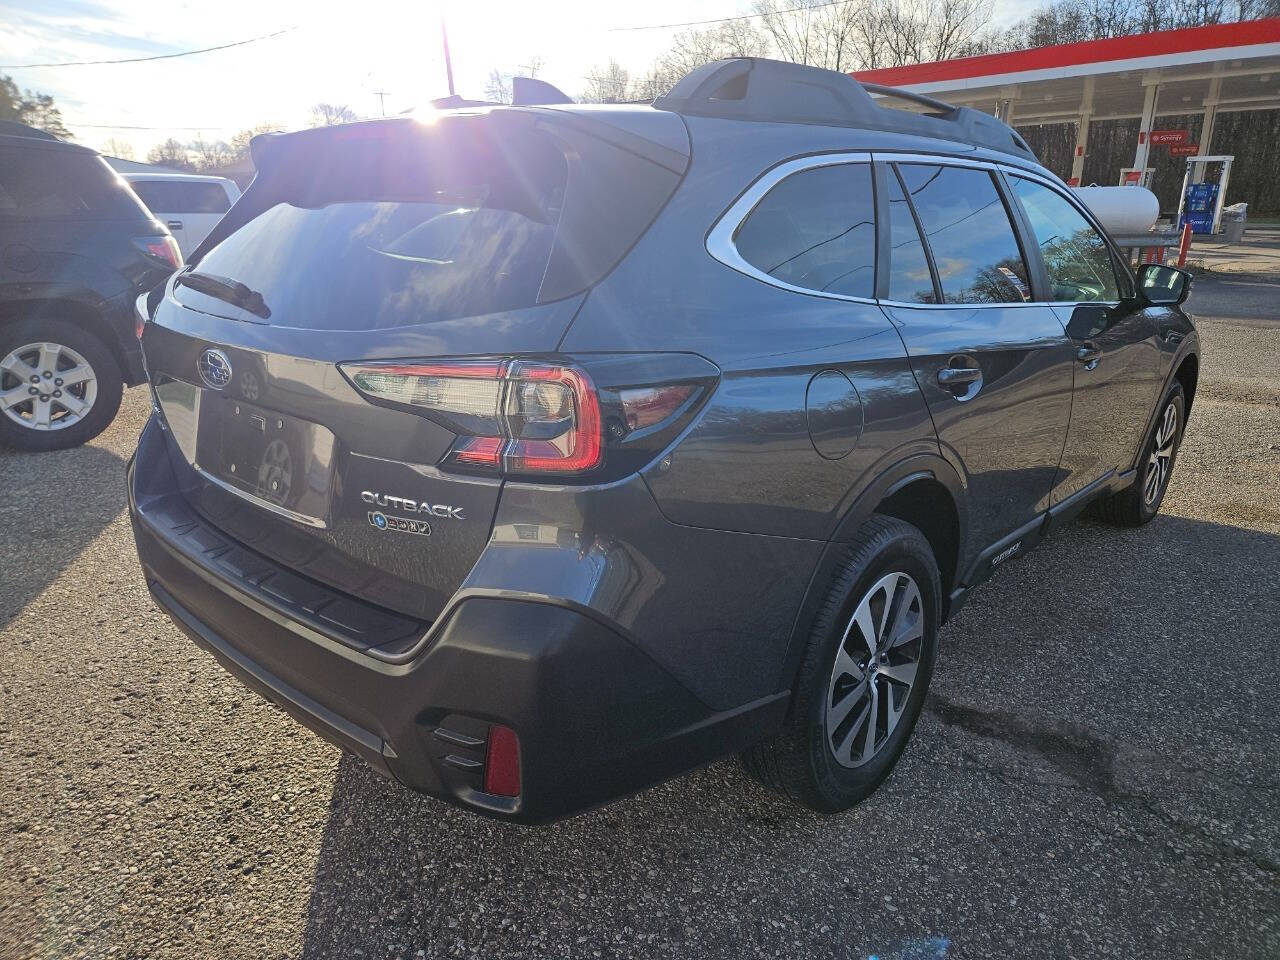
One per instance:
[(187, 203)]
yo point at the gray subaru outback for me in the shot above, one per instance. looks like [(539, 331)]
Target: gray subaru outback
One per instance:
[(536, 454)]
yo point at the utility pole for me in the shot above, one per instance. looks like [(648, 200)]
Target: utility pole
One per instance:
[(448, 64), (382, 101)]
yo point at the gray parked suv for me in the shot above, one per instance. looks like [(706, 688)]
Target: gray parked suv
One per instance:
[(539, 453)]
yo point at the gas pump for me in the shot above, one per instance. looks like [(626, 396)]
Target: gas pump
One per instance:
[(1200, 204)]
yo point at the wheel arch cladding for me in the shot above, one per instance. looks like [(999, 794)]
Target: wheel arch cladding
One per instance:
[(1187, 374)]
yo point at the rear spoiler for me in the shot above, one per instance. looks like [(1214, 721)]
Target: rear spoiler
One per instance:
[(655, 136)]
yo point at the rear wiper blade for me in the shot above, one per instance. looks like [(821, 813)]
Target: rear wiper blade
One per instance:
[(229, 291)]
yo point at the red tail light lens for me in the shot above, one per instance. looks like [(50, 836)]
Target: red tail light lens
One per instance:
[(162, 248), (520, 416), (553, 417)]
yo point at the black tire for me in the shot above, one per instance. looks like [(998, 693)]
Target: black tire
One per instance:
[(1132, 507), (800, 762), (109, 384)]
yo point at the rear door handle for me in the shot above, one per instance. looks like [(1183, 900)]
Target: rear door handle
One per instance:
[(1089, 355), (174, 224), (958, 376)]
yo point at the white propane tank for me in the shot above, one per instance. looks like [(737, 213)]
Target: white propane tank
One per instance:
[(1122, 210)]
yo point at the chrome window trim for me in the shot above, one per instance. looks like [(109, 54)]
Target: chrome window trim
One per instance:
[(720, 243), (963, 306), (1078, 205)]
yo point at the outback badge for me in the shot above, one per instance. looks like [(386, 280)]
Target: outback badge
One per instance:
[(383, 522)]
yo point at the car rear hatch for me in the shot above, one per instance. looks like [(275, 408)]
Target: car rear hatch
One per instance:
[(473, 236)]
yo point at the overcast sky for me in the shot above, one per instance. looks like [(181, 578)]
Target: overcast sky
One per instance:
[(339, 52)]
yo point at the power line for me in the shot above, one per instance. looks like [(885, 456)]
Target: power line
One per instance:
[(745, 16), (162, 56), (125, 126)]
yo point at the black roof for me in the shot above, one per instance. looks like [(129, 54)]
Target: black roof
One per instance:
[(752, 88)]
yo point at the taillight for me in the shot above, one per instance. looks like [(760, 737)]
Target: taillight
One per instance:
[(594, 420), (553, 414), (519, 416), (646, 406), (162, 248)]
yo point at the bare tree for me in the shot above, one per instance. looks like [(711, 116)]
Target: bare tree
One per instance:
[(209, 154), (693, 48), (497, 88), (328, 114), (608, 84), (170, 154), (239, 144), (118, 148)]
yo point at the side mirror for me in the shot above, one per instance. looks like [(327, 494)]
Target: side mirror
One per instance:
[(1163, 286)]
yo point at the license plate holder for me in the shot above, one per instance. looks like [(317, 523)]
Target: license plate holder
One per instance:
[(283, 462)]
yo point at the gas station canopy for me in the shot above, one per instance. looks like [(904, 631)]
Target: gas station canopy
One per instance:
[(1197, 70)]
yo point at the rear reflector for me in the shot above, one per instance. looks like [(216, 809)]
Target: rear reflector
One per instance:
[(502, 762)]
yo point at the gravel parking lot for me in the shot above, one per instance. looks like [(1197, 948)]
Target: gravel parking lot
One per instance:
[(1096, 772)]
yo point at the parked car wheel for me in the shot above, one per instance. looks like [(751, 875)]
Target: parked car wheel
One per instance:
[(1140, 501), (864, 676), (59, 385)]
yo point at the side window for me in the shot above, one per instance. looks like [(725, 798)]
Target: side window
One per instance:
[(1076, 257), (975, 250), (816, 229), (179, 196), (204, 198), (909, 278)]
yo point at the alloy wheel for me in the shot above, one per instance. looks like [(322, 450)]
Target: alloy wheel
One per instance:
[(1161, 460), (875, 669), (46, 386)]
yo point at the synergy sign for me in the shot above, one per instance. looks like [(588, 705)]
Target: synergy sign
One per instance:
[(1167, 138)]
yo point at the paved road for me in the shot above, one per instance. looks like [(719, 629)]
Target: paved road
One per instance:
[(1096, 774)]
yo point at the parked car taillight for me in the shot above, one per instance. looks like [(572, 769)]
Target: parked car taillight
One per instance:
[(162, 248), (546, 418), (518, 416)]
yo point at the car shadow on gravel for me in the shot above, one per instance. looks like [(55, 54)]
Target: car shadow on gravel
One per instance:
[(55, 504), (713, 865)]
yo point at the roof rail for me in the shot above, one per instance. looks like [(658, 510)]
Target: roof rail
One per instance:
[(752, 88)]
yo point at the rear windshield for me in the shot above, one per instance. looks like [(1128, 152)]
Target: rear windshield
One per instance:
[(43, 184), (182, 196), (436, 227)]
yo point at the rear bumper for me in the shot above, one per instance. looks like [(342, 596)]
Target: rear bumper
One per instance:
[(118, 318), (596, 717)]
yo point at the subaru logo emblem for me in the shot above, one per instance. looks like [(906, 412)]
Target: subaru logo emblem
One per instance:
[(214, 368)]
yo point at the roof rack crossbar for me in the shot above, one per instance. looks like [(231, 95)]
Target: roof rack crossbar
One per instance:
[(879, 89)]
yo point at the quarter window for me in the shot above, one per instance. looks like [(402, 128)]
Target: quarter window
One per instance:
[(1076, 257), (975, 250), (816, 229)]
